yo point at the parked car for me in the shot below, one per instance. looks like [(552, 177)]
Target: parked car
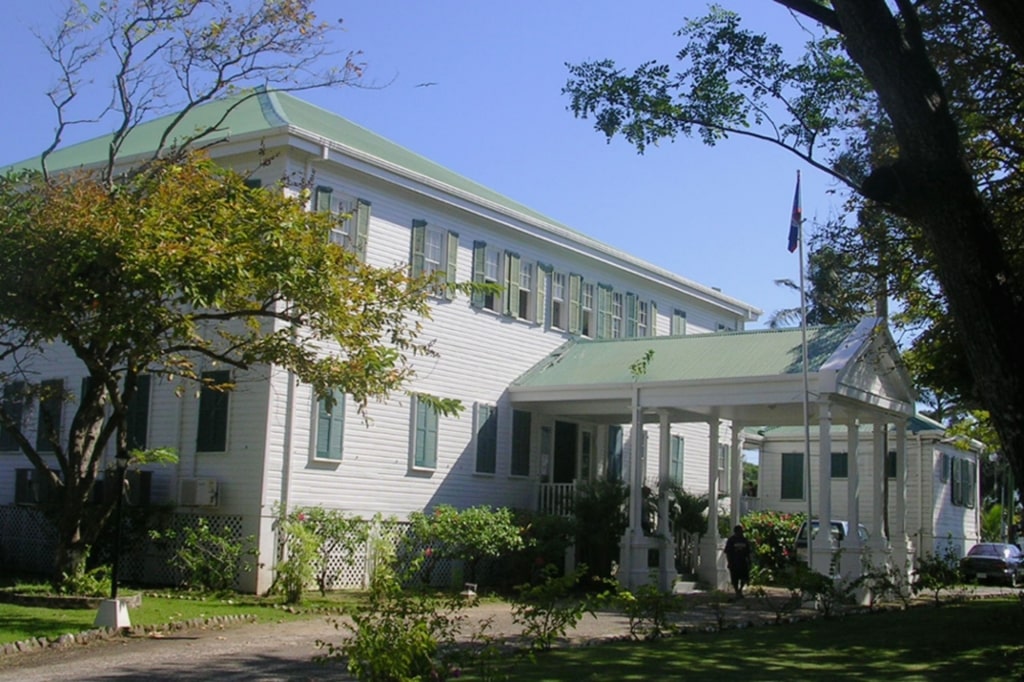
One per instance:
[(838, 532), (996, 561)]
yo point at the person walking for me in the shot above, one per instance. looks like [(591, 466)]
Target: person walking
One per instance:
[(738, 555)]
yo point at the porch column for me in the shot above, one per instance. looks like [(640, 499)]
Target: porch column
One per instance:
[(712, 563), (877, 541), (898, 522), (822, 554), (736, 474), (633, 550), (852, 550), (667, 550)]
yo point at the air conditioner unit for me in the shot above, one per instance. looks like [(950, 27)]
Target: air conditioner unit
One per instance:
[(198, 492)]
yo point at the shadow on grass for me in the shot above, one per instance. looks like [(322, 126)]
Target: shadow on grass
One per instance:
[(970, 641)]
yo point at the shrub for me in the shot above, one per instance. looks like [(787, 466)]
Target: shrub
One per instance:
[(338, 537), (468, 535), (601, 520), (773, 534), (648, 610), (545, 538), (301, 547), (689, 522), (935, 572), (548, 610), (209, 557), (399, 635)]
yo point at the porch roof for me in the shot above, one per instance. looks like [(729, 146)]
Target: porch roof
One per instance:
[(753, 377)]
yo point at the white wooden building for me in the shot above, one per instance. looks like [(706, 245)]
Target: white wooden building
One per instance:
[(940, 507), (268, 442)]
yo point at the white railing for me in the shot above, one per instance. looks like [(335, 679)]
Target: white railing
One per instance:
[(556, 498)]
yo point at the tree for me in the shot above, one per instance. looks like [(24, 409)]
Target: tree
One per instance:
[(174, 264), (873, 58)]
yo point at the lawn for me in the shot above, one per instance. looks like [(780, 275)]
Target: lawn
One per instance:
[(18, 623), (975, 640)]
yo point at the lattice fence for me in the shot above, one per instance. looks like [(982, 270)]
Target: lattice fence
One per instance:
[(28, 541)]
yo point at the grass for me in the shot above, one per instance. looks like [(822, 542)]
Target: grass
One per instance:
[(976, 640), (18, 622)]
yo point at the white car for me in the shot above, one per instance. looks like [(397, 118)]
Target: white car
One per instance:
[(839, 532)]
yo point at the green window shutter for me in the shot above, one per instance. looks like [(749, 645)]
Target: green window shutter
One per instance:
[(511, 284), (792, 476), (425, 455), (520, 464), (971, 484), (48, 424), (678, 322), (330, 427), (322, 199), (486, 438), (604, 311), (614, 470), (630, 315), (212, 433), (14, 406), (575, 301), (541, 301), (137, 416), (840, 465), (675, 465), (451, 265), (652, 324), (418, 246), (479, 256), (362, 227)]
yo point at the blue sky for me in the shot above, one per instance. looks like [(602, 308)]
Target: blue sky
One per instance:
[(718, 215)]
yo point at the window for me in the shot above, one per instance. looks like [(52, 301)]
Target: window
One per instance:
[(617, 306), (525, 311), (330, 426), (541, 298), (643, 318), (434, 253), (575, 282), (353, 219), (678, 322), (614, 472), (212, 435), (14, 407), (51, 404), (604, 311), (944, 467), (486, 438), (136, 418), (424, 442), (724, 479), (792, 476), (675, 461), (964, 489), (492, 275), (520, 465), (840, 465), (558, 302), (890, 464), (587, 309)]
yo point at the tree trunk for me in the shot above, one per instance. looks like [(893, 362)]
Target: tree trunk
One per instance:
[(934, 188)]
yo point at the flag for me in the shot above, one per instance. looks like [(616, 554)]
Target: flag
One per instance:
[(794, 221)]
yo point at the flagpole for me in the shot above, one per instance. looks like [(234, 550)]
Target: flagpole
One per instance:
[(797, 230)]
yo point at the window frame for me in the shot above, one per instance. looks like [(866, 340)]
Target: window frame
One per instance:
[(485, 436), (329, 426), (214, 406), (522, 435), (424, 428)]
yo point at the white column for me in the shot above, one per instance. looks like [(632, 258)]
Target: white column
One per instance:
[(877, 486), (898, 518), (822, 555), (852, 550), (635, 544), (667, 550), (735, 473), (712, 567)]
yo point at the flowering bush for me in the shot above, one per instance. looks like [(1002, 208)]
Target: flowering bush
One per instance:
[(773, 534), (467, 535)]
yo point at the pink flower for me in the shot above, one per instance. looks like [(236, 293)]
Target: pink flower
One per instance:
[(428, 552)]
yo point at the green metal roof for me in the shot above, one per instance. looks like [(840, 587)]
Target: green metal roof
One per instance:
[(724, 355), (262, 113)]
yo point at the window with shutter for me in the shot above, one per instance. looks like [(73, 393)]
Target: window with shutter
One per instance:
[(330, 426), (48, 423), (14, 402), (486, 438), (212, 433), (137, 414), (792, 476), (521, 428), (424, 442)]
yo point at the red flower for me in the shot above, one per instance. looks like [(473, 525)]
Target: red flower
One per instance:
[(428, 552)]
